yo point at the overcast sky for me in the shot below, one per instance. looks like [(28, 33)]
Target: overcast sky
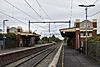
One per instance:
[(56, 10)]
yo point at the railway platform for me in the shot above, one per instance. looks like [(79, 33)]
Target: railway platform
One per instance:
[(73, 58)]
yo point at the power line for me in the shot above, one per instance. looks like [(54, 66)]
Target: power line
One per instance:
[(19, 9), (17, 19), (95, 1), (43, 9), (94, 14), (11, 17), (33, 9), (44, 12)]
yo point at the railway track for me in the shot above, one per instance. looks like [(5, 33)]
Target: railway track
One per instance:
[(34, 59), (14, 56)]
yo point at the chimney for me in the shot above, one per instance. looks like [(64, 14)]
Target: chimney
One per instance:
[(77, 23), (94, 21), (8, 29), (19, 29)]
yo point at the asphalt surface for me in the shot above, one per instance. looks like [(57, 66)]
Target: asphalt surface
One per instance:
[(74, 58)]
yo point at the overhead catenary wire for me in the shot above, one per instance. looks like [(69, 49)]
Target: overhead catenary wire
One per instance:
[(20, 9), (43, 9), (18, 19), (44, 12), (95, 2), (94, 14), (12, 17), (33, 9), (35, 12), (23, 12)]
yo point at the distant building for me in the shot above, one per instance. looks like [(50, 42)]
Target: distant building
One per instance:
[(23, 39), (76, 36)]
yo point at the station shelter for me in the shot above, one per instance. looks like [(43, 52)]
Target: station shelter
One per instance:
[(76, 36)]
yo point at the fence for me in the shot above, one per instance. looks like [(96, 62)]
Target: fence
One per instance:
[(94, 50)]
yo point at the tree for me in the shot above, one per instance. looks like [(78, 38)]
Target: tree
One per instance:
[(37, 39), (45, 39)]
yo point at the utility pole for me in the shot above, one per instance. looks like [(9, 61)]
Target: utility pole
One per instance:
[(49, 27), (86, 7), (49, 23), (29, 26), (4, 33), (69, 23)]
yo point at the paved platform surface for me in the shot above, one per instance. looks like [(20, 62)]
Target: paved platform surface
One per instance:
[(72, 58)]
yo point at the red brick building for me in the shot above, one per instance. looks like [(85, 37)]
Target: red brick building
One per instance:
[(76, 35)]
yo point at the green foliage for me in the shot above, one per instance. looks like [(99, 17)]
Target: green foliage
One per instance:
[(37, 39), (94, 38), (45, 40), (10, 41), (10, 35), (50, 39)]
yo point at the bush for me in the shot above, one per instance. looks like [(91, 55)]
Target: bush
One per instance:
[(10, 41), (94, 38)]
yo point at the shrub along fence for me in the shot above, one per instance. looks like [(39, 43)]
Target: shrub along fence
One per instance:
[(94, 49), (10, 41)]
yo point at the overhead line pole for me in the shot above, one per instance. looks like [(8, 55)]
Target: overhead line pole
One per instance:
[(49, 23), (29, 26)]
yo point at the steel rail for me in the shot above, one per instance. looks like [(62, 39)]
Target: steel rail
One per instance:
[(35, 55)]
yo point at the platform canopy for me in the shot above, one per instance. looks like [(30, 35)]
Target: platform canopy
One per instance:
[(68, 32)]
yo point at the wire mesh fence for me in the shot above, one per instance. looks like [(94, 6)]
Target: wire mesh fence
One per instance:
[(94, 50)]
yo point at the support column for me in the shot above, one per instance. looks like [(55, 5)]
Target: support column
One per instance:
[(17, 40), (76, 45)]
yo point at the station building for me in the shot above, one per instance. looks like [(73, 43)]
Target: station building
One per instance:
[(23, 38), (76, 36)]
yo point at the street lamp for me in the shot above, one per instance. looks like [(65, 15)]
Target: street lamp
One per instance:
[(3, 33), (4, 25), (86, 6)]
